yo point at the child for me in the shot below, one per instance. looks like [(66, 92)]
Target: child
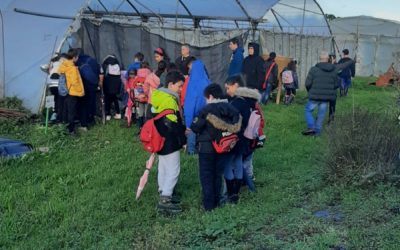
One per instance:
[(110, 82), (74, 86), (129, 88), (290, 81), (140, 95), (244, 100), (216, 117), (172, 129)]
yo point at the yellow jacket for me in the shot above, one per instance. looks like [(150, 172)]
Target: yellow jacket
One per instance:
[(74, 80)]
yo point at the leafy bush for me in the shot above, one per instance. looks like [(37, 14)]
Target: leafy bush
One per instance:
[(363, 149)]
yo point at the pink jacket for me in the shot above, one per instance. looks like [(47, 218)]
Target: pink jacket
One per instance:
[(150, 83)]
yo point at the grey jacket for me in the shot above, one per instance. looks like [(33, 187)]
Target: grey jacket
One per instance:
[(322, 82)]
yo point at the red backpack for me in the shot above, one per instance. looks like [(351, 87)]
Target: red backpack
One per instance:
[(225, 142), (151, 139)]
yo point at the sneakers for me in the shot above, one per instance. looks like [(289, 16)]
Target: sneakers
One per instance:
[(309, 131), (108, 117), (166, 206), (117, 116)]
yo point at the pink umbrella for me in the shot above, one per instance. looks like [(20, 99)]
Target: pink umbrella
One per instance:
[(143, 179)]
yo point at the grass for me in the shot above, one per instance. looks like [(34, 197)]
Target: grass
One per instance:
[(80, 194)]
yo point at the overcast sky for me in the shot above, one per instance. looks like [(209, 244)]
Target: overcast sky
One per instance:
[(387, 9)]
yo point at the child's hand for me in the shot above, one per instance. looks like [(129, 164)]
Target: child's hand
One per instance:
[(184, 147)]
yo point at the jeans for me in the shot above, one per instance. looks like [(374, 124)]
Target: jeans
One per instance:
[(191, 143), (211, 167), (248, 171), (234, 167), (308, 112), (265, 94)]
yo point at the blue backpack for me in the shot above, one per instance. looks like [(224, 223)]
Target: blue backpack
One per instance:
[(62, 85)]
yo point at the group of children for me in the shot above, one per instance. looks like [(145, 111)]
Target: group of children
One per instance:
[(224, 148)]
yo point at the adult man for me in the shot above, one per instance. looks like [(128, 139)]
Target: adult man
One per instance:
[(321, 84), (253, 67), (235, 66), (183, 61), (346, 74)]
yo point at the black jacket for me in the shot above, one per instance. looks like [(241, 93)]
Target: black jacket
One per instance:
[(322, 82), (173, 132), (253, 69), (112, 83), (182, 64), (244, 101), (349, 70), (273, 77), (212, 119)]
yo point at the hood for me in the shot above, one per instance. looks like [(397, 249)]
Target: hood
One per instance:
[(152, 80), (238, 50), (143, 72), (325, 66), (249, 93), (256, 47), (198, 79), (219, 123)]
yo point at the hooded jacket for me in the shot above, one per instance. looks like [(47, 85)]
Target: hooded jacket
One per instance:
[(212, 119), (322, 82), (171, 126), (89, 70), (112, 83), (253, 68), (194, 100), (235, 66), (73, 77), (244, 101)]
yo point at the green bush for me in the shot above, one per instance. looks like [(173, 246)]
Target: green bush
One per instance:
[(363, 149)]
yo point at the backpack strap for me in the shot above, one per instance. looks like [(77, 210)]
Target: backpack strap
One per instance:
[(268, 74), (164, 113)]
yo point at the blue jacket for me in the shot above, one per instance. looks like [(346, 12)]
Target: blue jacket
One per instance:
[(132, 66), (235, 66), (194, 99), (89, 70)]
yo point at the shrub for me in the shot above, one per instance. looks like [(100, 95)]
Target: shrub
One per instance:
[(363, 149)]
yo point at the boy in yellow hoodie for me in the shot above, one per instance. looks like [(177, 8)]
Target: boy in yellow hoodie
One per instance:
[(74, 86)]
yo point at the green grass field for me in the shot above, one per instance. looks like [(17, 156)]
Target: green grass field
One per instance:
[(81, 194)]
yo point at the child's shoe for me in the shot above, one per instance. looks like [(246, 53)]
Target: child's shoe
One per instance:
[(165, 205)]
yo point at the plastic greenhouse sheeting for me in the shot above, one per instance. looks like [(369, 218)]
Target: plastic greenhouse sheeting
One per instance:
[(28, 40)]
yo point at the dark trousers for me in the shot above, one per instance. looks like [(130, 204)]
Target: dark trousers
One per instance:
[(90, 95), (332, 107), (83, 110), (71, 106), (212, 167), (111, 99), (62, 109)]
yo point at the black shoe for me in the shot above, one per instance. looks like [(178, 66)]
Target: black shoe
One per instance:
[(308, 131), (166, 206)]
